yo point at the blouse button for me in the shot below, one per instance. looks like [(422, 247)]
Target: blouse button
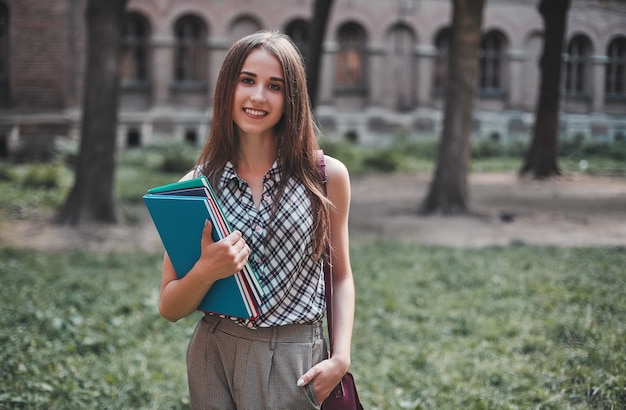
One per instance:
[(257, 228), (266, 198)]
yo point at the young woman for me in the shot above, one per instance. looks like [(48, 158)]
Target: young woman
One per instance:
[(261, 158)]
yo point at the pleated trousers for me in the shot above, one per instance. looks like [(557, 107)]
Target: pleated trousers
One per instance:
[(233, 367)]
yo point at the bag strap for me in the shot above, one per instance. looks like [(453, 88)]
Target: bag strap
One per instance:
[(339, 390), (328, 271)]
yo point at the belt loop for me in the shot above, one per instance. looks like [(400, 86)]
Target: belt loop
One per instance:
[(274, 338), (212, 322)]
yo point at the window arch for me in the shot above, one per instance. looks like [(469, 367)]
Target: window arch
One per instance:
[(190, 51), (135, 50), (491, 63), (440, 70), (615, 86), (243, 26), (298, 30), (577, 66), (4, 55), (350, 61)]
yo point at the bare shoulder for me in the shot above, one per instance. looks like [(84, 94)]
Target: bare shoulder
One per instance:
[(338, 185), (336, 170)]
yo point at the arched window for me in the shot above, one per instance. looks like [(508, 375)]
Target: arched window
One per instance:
[(350, 62), (298, 30), (190, 57), (135, 51), (440, 71), (577, 66), (243, 26), (615, 86), (491, 63), (4, 55)]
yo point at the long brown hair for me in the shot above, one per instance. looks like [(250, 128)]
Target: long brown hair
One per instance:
[(295, 132)]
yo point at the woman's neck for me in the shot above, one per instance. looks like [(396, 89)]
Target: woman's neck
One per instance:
[(256, 156), (252, 165)]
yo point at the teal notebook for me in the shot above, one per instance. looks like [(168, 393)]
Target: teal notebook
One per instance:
[(201, 187), (178, 211)]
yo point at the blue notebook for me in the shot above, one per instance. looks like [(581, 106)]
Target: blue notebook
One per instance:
[(179, 220)]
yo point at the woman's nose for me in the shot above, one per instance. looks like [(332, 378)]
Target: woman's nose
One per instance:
[(258, 95)]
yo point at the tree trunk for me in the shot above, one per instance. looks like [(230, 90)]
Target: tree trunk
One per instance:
[(91, 198), (317, 30), (541, 157), (448, 190)]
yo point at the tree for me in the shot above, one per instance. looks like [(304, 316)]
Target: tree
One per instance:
[(541, 158), (91, 198), (321, 9), (448, 190)]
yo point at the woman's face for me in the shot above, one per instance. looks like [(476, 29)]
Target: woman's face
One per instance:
[(259, 95)]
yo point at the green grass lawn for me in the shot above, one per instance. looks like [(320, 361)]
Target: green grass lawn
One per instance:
[(515, 327), (436, 328)]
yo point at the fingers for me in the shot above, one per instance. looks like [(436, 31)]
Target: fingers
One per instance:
[(233, 246), (308, 376), (228, 255), (311, 377), (324, 377), (235, 239)]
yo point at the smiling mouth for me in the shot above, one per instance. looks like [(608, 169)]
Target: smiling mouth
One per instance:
[(255, 113)]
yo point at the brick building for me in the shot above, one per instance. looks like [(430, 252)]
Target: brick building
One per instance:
[(382, 71)]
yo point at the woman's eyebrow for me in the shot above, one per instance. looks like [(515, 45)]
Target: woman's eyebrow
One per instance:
[(248, 73)]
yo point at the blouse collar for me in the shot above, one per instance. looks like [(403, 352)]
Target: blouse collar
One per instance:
[(230, 174)]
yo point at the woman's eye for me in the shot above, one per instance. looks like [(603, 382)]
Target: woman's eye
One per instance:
[(275, 87), (247, 80)]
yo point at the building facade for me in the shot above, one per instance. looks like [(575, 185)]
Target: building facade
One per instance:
[(382, 75)]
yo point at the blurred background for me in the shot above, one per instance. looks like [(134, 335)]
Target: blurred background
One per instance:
[(519, 305), (382, 71)]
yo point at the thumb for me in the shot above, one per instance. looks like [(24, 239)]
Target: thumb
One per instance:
[(207, 233)]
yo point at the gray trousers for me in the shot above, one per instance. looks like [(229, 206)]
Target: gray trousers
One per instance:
[(232, 367)]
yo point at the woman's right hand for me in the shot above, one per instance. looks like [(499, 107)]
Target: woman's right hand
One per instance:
[(180, 297), (222, 258)]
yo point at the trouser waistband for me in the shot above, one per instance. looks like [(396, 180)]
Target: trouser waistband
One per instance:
[(288, 333)]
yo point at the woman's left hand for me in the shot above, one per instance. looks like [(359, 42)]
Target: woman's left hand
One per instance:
[(325, 376)]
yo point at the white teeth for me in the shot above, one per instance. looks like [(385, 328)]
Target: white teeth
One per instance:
[(255, 112)]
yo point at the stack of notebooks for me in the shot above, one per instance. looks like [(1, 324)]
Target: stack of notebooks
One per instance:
[(179, 212)]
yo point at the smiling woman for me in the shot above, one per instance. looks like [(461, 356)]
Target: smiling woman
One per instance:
[(262, 160)]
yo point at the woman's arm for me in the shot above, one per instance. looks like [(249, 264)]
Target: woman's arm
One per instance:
[(328, 373), (180, 297), (339, 194)]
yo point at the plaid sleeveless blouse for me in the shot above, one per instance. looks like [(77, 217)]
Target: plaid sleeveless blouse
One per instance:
[(292, 277)]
